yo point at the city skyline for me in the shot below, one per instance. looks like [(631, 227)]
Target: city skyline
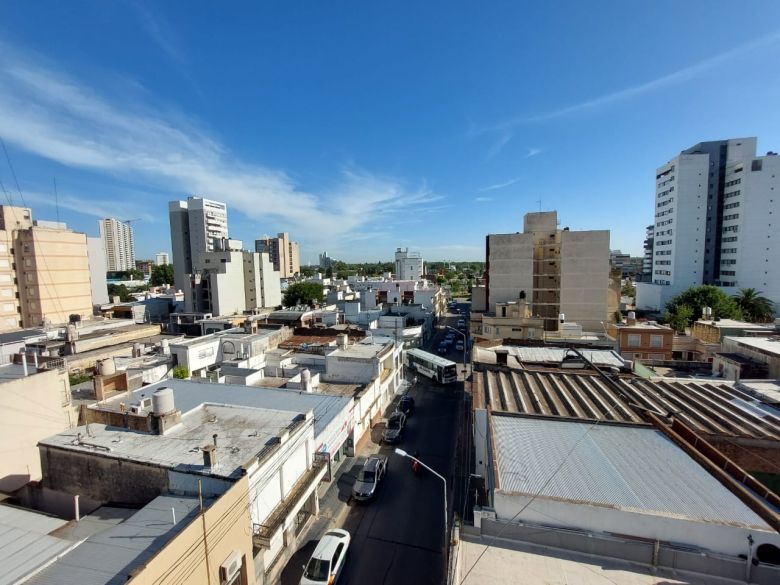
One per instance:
[(440, 134)]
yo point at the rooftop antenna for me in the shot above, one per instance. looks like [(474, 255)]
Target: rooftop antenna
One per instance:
[(540, 204), (56, 199)]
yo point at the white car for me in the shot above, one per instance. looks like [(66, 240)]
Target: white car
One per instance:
[(327, 560)]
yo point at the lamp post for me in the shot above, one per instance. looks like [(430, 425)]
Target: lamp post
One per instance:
[(465, 340), (403, 453)]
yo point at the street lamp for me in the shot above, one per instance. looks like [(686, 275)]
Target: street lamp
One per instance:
[(465, 342), (403, 453)]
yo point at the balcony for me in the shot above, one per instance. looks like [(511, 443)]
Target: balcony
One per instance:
[(263, 533)]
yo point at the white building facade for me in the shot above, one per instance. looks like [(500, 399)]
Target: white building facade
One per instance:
[(161, 258), (408, 265), (118, 242), (715, 222)]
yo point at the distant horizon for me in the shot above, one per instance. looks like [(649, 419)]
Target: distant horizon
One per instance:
[(361, 127)]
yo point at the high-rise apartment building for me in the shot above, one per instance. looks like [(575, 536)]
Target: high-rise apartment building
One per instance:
[(408, 265), (118, 242), (561, 272), (647, 260), (285, 254), (195, 225), (12, 220), (161, 258), (715, 222)]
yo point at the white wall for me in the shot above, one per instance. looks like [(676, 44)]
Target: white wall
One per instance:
[(96, 256)]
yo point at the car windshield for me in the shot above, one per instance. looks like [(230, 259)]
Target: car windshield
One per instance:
[(394, 423), (318, 570), (366, 476)]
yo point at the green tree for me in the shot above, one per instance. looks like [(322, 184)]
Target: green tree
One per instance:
[(181, 373), (329, 272), (119, 290), (755, 308), (303, 293), (161, 274), (308, 271), (695, 299), (628, 290)]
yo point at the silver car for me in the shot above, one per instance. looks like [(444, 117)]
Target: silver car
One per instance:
[(369, 477)]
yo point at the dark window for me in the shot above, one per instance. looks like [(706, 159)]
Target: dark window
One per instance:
[(756, 166)]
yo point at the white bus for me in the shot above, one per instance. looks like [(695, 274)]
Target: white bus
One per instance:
[(431, 366)]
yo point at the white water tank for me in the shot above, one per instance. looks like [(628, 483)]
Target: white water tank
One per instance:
[(561, 318), (306, 380), (706, 313), (165, 347), (342, 340), (162, 401), (107, 367), (137, 349)]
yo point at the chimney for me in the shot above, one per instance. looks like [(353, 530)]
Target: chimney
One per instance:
[(210, 456)]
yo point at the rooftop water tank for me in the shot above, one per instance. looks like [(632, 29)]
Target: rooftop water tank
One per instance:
[(107, 367), (162, 402)]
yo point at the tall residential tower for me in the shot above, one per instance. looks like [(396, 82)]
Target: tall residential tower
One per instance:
[(285, 254), (118, 242)]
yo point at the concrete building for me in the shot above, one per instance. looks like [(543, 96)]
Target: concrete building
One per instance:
[(230, 280), (96, 256), (119, 244), (510, 320), (195, 224), (408, 265), (12, 220), (762, 351), (35, 403), (561, 272), (161, 258), (285, 255), (714, 206), (325, 261), (647, 260), (52, 268)]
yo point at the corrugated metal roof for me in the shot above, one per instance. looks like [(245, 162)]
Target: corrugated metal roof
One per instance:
[(108, 557), (519, 355), (625, 467), (25, 543)]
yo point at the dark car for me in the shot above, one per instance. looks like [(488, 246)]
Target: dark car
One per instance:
[(395, 428), (406, 405), (369, 477)]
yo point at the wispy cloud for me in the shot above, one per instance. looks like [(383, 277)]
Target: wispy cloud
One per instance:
[(498, 145), (677, 77), (98, 208), (58, 118), (482, 199), (158, 30), (497, 186), (533, 152)]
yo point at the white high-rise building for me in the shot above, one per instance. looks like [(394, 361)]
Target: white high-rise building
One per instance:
[(161, 258), (195, 225), (408, 265), (716, 222), (118, 241)]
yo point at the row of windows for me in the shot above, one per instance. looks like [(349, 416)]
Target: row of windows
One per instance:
[(665, 193), (663, 242), (731, 205), (732, 216), (731, 228), (663, 223), (635, 340), (666, 172), (664, 233), (734, 182), (664, 272), (666, 202), (728, 273), (728, 251), (663, 262), (662, 213), (731, 194), (729, 239), (666, 182), (727, 283), (727, 262), (663, 253)]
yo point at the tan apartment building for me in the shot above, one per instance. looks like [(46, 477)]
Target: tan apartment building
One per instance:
[(643, 340), (53, 274), (285, 254), (561, 272), (12, 220), (510, 320)]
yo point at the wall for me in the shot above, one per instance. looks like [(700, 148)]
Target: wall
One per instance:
[(96, 256), (585, 277), (11, 219), (348, 369), (511, 265), (731, 345), (707, 535), (216, 534), (33, 408)]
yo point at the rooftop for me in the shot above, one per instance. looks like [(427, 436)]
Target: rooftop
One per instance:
[(108, 557), (517, 356), (10, 372), (733, 323), (15, 336), (621, 467), (642, 325), (242, 433), (766, 345), (189, 395), (361, 351), (767, 391)]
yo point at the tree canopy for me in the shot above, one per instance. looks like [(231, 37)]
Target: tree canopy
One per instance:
[(161, 274), (683, 309), (303, 293), (755, 308)]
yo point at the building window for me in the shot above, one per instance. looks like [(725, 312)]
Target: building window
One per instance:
[(656, 341), (634, 340), (757, 164)]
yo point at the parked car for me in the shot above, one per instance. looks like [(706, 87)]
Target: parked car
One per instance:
[(395, 428), (461, 323), (369, 477), (406, 405), (459, 346), (327, 560)]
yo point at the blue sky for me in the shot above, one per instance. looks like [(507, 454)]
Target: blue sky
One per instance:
[(362, 126)]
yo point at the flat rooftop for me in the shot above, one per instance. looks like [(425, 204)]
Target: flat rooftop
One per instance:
[(734, 324), (545, 566), (642, 325), (10, 372), (242, 433), (21, 335), (634, 469), (189, 395), (767, 345), (361, 350), (767, 391), (235, 333), (517, 356), (108, 557)]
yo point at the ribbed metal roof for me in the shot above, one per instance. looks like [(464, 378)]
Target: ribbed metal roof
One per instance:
[(626, 467)]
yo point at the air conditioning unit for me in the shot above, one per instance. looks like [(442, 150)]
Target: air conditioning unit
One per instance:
[(230, 568)]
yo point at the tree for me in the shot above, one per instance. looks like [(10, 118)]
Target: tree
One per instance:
[(755, 308), (119, 290), (161, 274), (628, 290), (694, 300), (181, 373), (329, 272), (303, 293)]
